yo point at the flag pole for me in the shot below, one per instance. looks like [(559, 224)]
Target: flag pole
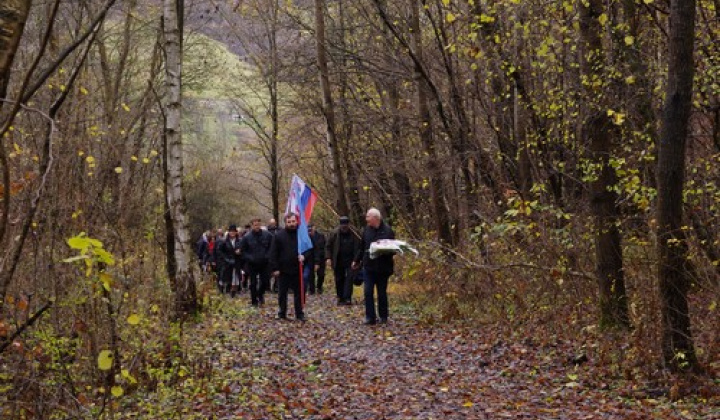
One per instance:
[(302, 288)]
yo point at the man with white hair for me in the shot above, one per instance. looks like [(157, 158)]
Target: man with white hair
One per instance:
[(377, 270)]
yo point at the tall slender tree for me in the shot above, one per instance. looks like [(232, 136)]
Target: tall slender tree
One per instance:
[(329, 107), (602, 136), (184, 281), (673, 274)]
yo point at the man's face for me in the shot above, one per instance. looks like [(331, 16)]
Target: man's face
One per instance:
[(233, 233), (372, 221), (344, 228), (256, 226), (272, 223), (291, 223)]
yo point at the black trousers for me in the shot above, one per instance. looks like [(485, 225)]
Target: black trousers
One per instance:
[(320, 273), (287, 282), (379, 281), (259, 276), (343, 283), (225, 278)]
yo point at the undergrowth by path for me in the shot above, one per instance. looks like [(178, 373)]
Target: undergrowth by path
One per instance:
[(242, 363)]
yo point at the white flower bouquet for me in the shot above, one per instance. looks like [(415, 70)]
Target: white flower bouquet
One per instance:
[(390, 246)]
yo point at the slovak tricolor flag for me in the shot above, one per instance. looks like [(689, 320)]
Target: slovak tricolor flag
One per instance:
[(301, 201)]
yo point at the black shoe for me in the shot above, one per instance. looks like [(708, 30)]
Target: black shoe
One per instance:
[(280, 316), (347, 303), (383, 320), (369, 321), (301, 318)]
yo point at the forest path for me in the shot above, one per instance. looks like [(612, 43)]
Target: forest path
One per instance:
[(334, 367)]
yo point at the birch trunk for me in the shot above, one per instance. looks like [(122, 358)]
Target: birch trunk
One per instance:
[(184, 281)]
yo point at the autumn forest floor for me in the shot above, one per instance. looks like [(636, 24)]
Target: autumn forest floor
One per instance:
[(250, 365)]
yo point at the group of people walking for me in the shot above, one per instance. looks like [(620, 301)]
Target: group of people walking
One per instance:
[(265, 258)]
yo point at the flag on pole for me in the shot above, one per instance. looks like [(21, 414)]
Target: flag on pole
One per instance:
[(301, 201)]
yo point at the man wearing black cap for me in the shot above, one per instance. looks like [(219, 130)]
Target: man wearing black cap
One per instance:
[(342, 245), (229, 258)]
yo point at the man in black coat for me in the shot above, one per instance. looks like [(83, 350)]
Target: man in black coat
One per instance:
[(255, 248), (285, 266), (340, 250), (377, 270), (229, 260)]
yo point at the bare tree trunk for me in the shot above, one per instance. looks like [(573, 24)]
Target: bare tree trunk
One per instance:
[(329, 108), (13, 14), (274, 155), (437, 196), (674, 279), (598, 129), (184, 281)]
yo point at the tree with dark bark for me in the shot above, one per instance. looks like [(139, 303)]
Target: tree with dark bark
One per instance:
[(602, 135), (673, 275)]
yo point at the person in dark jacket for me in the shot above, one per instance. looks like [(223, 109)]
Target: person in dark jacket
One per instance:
[(272, 226), (201, 247), (313, 260), (319, 242), (377, 270), (285, 266), (342, 246), (255, 249), (230, 260)]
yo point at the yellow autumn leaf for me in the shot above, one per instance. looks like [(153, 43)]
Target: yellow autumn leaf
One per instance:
[(468, 404), (629, 40), (117, 391), (618, 118), (153, 153), (83, 91), (630, 80), (133, 158), (133, 319), (105, 360), (126, 374), (125, 107), (106, 280), (118, 170), (446, 2), (146, 160), (450, 18), (90, 159), (603, 18)]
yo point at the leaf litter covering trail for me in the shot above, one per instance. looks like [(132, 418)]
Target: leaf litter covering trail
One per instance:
[(333, 367)]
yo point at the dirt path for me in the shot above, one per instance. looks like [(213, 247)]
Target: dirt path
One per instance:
[(333, 367)]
